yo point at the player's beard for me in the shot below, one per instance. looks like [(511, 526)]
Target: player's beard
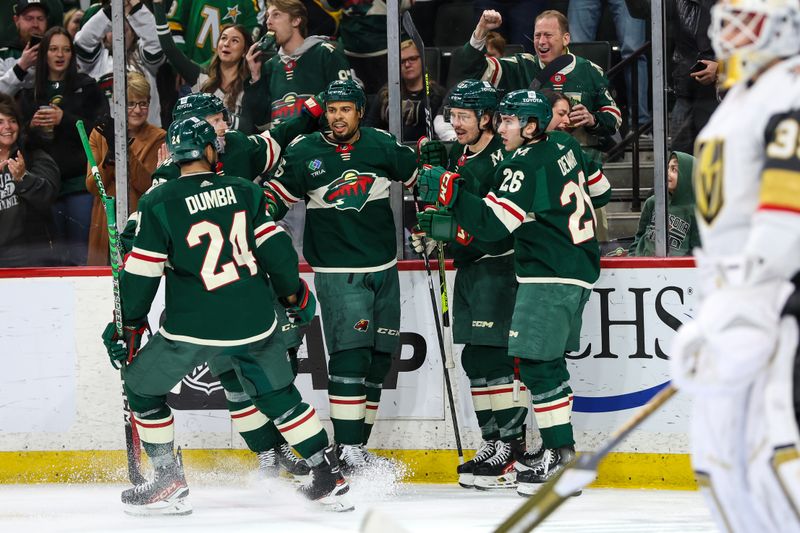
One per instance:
[(348, 134)]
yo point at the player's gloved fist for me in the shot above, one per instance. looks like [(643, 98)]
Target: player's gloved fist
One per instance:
[(314, 105), (438, 224), (303, 307), (437, 185), (123, 349), (431, 152), (420, 242)]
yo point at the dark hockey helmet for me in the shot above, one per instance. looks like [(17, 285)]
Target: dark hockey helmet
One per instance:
[(345, 91), (480, 96), (188, 138), (526, 105), (198, 105)]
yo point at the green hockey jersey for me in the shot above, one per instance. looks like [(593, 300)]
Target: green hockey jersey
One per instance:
[(212, 237), (478, 172), (546, 197), (197, 24), (581, 81), (289, 80), (363, 25), (349, 221)]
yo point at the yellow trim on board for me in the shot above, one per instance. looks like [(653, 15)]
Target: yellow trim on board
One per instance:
[(620, 470)]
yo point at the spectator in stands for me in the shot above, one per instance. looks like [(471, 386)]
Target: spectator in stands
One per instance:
[(518, 15), (412, 90), (72, 21), (495, 45), (59, 98), (225, 75), (561, 110), (682, 236), (29, 182), (362, 30), (144, 141), (694, 70), (594, 113), (10, 8), (143, 55), (584, 18), (19, 57), (303, 66), (196, 25), (321, 20)]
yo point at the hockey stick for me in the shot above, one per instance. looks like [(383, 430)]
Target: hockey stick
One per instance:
[(576, 475), (115, 253), (443, 331)]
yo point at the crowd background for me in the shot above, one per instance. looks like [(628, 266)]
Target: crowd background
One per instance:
[(56, 68)]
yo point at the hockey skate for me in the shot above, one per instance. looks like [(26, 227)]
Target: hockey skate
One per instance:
[(351, 459), (553, 461), (326, 485), (465, 471), (166, 494), (498, 471)]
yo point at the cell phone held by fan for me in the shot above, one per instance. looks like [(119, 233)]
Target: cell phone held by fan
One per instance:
[(34, 40), (697, 67)]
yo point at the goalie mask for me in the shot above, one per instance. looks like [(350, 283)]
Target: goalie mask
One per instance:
[(748, 34)]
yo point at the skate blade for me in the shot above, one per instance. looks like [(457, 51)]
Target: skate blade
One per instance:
[(336, 503), (495, 483), (178, 507), (466, 480), (526, 490)]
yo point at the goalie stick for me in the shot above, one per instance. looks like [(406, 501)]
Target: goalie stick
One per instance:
[(443, 330), (577, 474), (115, 253)]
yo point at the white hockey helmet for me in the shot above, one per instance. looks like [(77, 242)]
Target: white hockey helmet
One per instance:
[(748, 34)]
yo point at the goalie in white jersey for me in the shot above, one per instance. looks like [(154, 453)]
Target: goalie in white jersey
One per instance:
[(740, 355)]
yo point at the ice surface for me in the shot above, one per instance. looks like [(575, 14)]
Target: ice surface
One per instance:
[(272, 506)]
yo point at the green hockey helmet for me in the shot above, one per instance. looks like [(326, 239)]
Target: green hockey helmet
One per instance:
[(187, 139), (526, 105), (198, 105), (480, 96), (345, 91)]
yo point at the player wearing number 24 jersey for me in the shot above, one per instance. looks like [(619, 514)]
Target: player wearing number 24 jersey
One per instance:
[(545, 196)]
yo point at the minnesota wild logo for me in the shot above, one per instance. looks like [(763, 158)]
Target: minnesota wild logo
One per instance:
[(350, 191)]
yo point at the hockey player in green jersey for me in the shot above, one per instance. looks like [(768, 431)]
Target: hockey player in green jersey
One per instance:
[(246, 157), (484, 286), (546, 198), (304, 66), (350, 241), (220, 243), (593, 108), (196, 25)]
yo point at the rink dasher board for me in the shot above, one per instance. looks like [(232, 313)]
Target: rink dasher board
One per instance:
[(60, 394)]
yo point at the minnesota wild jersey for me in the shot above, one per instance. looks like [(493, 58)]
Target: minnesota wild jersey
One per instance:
[(196, 25), (581, 81), (546, 197), (478, 171), (288, 81), (216, 240), (349, 222)]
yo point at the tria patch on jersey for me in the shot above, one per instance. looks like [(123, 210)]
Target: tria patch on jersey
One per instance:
[(362, 325), (350, 191), (316, 167)]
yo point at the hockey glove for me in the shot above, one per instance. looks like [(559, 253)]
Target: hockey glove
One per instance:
[(431, 152), (419, 240), (438, 224), (437, 185), (314, 106), (272, 202), (122, 350), (302, 311)]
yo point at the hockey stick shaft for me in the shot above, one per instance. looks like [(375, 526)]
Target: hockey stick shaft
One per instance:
[(115, 256), (411, 29), (578, 474)]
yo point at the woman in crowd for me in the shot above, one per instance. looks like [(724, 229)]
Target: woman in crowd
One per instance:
[(59, 98), (225, 74), (72, 21), (144, 141), (29, 182), (561, 108)]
